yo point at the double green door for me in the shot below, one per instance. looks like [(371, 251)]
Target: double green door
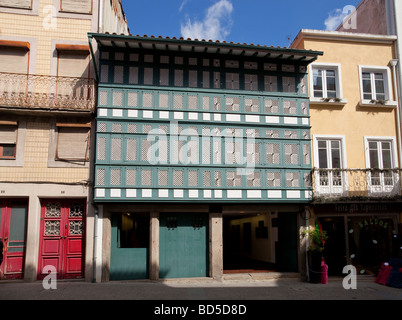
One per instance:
[(183, 245)]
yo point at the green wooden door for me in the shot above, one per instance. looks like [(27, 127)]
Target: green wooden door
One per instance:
[(183, 245), (129, 247)]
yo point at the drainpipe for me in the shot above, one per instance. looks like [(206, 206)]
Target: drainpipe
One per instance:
[(100, 16), (393, 64), (98, 238)]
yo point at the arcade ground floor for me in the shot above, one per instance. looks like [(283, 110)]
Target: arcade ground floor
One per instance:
[(145, 241), (54, 228)]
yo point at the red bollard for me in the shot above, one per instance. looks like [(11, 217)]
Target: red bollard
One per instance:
[(324, 272)]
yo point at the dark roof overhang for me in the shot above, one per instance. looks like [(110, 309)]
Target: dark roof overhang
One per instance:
[(202, 46)]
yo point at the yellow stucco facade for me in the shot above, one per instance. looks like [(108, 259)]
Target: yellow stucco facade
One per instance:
[(352, 120), (347, 185)]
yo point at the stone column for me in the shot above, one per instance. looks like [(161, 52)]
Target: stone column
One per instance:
[(154, 246), (215, 246)]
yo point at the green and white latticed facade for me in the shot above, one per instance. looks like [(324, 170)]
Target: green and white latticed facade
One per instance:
[(195, 121)]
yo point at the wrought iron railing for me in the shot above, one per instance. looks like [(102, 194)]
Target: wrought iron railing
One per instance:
[(47, 92), (356, 183)]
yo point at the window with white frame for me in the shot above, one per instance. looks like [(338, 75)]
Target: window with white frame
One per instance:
[(380, 158), (8, 139), (375, 84), (329, 157), (325, 81)]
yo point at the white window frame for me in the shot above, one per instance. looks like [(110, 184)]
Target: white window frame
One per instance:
[(339, 100), (382, 188), (330, 189), (18, 161), (389, 102)]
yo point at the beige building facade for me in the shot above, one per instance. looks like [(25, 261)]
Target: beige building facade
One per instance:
[(355, 127), (47, 104)]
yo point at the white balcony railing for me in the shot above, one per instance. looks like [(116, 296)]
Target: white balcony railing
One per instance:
[(46, 92), (340, 183)]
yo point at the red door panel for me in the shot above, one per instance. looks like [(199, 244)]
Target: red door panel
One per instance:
[(14, 265), (51, 246), (74, 246), (74, 265), (62, 238)]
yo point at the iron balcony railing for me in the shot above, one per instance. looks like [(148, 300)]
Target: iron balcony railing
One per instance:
[(356, 183), (47, 92)]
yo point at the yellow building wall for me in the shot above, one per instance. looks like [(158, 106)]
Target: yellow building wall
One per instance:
[(351, 120), (35, 168), (41, 28), (36, 149)]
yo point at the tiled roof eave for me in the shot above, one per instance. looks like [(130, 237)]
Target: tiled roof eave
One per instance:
[(202, 46)]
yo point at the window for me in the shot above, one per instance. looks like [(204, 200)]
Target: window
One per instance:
[(380, 158), (73, 142), (232, 81), (8, 140), (132, 230), (73, 61), (325, 81), (329, 159), (24, 4), (76, 6), (14, 57), (375, 86), (73, 68)]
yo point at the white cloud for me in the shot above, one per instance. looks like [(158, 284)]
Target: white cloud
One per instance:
[(183, 3), (335, 18), (216, 24)]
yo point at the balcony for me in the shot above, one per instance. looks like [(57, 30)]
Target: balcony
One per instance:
[(27, 91), (356, 184)]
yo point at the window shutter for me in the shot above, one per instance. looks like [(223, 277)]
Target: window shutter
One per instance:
[(26, 4), (73, 64), (14, 60), (78, 6), (73, 143), (8, 134)]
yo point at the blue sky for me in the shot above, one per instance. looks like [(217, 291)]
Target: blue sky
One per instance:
[(264, 22)]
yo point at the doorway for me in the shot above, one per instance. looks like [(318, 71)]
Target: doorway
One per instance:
[(334, 251), (129, 246), (62, 238), (13, 229), (286, 246), (247, 243), (183, 245)]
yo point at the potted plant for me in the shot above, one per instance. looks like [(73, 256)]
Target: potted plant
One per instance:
[(317, 238)]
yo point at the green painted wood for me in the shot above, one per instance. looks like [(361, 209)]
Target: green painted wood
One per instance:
[(183, 249), (126, 263)]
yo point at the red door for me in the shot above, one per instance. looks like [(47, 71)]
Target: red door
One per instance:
[(13, 227), (62, 238)]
